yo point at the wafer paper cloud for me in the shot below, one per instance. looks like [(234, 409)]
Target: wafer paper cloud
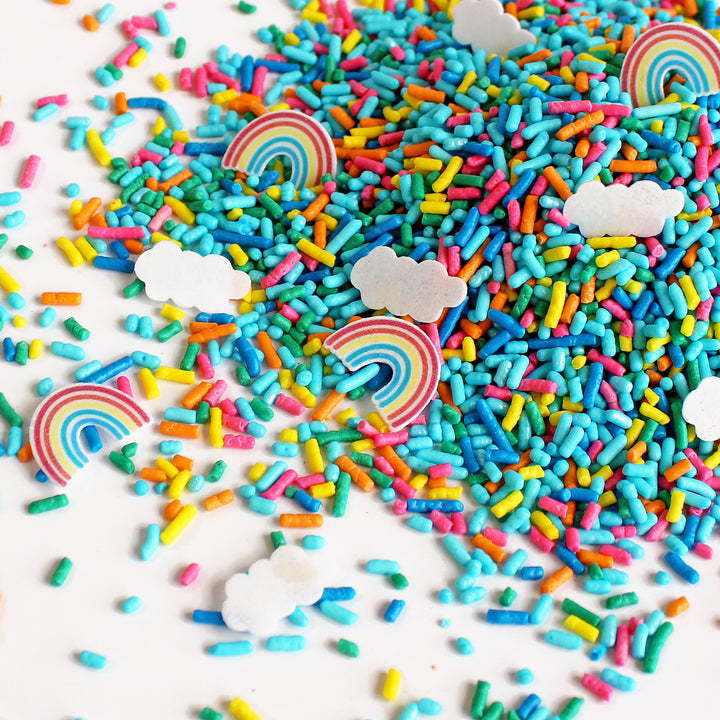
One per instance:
[(640, 209), (701, 408), (405, 287), (190, 279), (271, 589), (485, 25)]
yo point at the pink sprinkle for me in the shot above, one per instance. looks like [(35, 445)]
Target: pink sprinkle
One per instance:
[(206, 367), (6, 132), (622, 645), (612, 110), (129, 29), (514, 214), (706, 134), (280, 485), (159, 218), (121, 59), (383, 466), (399, 507), (283, 267), (499, 393), (239, 442), (289, 313), (624, 531), (431, 330), (123, 384), (495, 536), (572, 539), (438, 471), (403, 488), (201, 82), (508, 260), (494, 198), (597, 686), (442, 523), (553, 506), (310, 480), (558, 218), (701, 163), (258, 85), (459, 526), (216, 392), (594, 450), (190, 574), (617, 554), (57, 99), (495, 179), (537, 385), (144, 154), (367, 429), (612, 366), (234, 422), (704, 551), (368, 164), (289, 404), (146, 23), (185, 81), (592, 511), (116, 233), (455, 340), (383, 439), (228, 407), (572, 107), (541, 541), (30, 171)]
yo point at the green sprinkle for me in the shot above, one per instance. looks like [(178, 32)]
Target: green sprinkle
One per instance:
[(572, 608), (208, 713), (347, 647), (3, 240), (655, 646), (76, 329), (47, 504), (203, 412), (134, 288), (342, 492), (494, 712), (8, 412), (169, 331), (22, 349), (129, 450), (619, 601), (193, 350), (507, 598), (571, 709), (277, 538), (121, 462), (61, 572), (262, 409), (216, 471), (479, 700), (23, 252), (180, 45), (399, 581)]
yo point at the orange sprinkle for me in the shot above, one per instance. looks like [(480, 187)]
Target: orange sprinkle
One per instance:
[(268, 350), (153, 474), (571, 305), (315, 207), (25, 453), (633, 166), (196, 395), (533, 57), (582, 148), (577, 126), (86, 212), (90, 23), (358, 476), (213, 333), (301, 520), (636, 451), (176, 429), (397, 463), (582, 82), (134, 247), (587, 291), (323, 410), (418, 148), (677, 606), (496, 553), (222, 498), (677, 470), (121, 106), (99, 219), (172, 509), (587, 557), (554, 581), (628, 38), (527, 222), (341, 117), (61, 298), (175, 180), (557, 183)]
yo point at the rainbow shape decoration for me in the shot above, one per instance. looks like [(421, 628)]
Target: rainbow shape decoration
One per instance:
[(413, 359), (671, 47), (299, 137), (56, 427)]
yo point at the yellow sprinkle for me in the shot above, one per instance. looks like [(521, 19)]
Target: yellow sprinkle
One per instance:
[(372, 132), (87, 250), (538, 82), (584, 629), (677, 502), (392, 684), (178, 484), (543, 523), (181, 136), (215, 429), (419, 481), (362, 445), (167, 467), (345, 415), (377, 422), (324, 490), (447, 176), (512, 417), (178, 524), (170, 312), (97, 148), (469, 349), (137, 57), (531, 472), (162, 83), (36, 347), (467, 82), (75, 207), (73, 255), (583, 477), (435, 208), (690, 292), (579, 361), (303, 395), (180, 209), (225, 96), (19, 321), (557, 302), (607, 258), (633, 432), (8, 283), (606, 499), (314, 456), (618, 242), (555, 254), (446, 493), (149, 383), (241, 710), (351, 40), (257, 471), (651, 396), (531, 13), (234, 214), (309, 248), (289, 435), (507, 504), (653, 413), (175, 375)]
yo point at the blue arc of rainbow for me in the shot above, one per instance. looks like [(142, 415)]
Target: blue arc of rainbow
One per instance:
[(413, 360)]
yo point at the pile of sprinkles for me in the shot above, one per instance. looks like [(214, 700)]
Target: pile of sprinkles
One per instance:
[(558, 418)]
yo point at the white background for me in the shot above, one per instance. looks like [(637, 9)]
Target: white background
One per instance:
[(157, 661)]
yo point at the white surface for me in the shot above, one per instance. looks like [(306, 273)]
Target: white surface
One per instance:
[(157, 664)]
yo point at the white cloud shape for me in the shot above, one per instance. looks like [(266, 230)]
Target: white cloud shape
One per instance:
[(271, 589), (640, 209), (190, 279), (485, 25), (406, 287), (701, 408)]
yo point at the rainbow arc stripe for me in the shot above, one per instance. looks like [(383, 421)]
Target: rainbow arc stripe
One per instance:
[(668, 48), (56, 426), (295, 135), (410, 354)]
